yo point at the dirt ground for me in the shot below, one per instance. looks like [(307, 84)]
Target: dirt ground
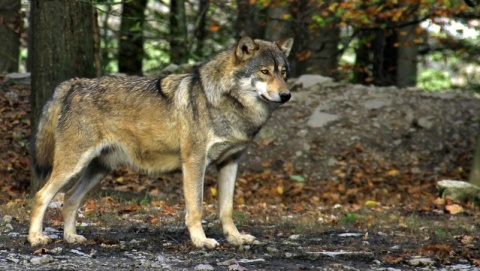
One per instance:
[(341, 178)]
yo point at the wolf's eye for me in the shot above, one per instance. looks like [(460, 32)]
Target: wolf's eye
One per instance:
[(264, 71), (284, 72)]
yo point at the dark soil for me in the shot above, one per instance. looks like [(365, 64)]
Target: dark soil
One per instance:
[(370, 172)]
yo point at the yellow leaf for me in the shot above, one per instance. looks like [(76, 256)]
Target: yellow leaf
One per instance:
[(393, 172), (213, 191), (280, 190), (370, 204), (333, 7)]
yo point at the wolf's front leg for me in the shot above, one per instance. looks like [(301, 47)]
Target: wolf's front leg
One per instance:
[(193, 175), (226, 184)]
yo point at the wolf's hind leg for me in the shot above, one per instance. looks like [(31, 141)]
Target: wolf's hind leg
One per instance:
[(91, 176), (226, 184), (60, 176)]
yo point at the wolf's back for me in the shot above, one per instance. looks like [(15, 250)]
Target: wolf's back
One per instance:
[(44, 141)]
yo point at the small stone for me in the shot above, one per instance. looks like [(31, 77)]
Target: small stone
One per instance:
[(56, 250), (204, 267), (228, 262), (160, 258), (350, 234), (7, 219), (8, 228), (425, 123), (288, 255), (421, 261), (41, 260), (15, 260), (244, 248), (294, 237), (272, 250), (302, 133)]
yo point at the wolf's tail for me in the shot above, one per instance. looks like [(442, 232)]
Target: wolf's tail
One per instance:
[(43, 146)]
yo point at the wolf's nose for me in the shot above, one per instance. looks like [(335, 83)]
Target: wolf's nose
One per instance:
[(284, 97)]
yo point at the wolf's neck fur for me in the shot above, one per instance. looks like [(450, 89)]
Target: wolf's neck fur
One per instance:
[(223, 90)]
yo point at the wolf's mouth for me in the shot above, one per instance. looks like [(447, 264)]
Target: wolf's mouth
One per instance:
[(268, 100)]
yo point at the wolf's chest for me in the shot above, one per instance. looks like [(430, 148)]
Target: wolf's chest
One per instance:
[(221, 149)]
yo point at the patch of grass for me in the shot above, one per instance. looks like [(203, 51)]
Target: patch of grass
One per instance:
[(350, 219), (239, 215), (441, 233), (145, 201)]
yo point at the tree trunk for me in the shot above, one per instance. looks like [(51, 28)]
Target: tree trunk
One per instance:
[(407, 57), (277, 27), (130, 51), (475, 170), (324, 45), (61, 47), (301, 47), (250, 20), (10, 28), (178, 32), (200, 29)]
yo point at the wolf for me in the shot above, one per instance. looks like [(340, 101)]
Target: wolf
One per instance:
[(155, 125)]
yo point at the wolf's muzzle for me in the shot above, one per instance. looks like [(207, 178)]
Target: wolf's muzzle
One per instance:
[(284, 97)]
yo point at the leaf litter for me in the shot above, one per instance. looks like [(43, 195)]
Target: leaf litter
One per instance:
[(316, 184)]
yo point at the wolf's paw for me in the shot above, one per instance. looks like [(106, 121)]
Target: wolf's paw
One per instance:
[(240, 239), (74, 238), (38, 239), (205, 243)]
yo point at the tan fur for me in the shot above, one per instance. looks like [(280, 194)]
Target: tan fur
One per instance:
[(181, 122)]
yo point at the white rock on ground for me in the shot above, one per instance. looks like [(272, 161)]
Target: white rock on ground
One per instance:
[(458, 190)]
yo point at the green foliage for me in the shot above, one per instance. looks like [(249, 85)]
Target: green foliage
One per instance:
[(434, 80), (350, 219)]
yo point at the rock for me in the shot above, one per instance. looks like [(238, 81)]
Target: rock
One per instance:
[(458, 190), (425, 123), (294, 237), (251, 261), (309, 80), (345, 255), (7, 219), (236, 267), (319, 119), (228, 262), (204, 267), (272, 250), (376, 103), (41, 260), (421, 261), (350, 234), (19, 78)]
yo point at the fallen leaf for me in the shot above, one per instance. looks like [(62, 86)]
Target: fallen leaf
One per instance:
[(454, 209), (370, 204), (393, 172), (213, 191), (392, 259), (40, 251), (297, 178)]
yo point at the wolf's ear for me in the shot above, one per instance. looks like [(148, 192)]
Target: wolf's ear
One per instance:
[(285, 45), (246, 47)]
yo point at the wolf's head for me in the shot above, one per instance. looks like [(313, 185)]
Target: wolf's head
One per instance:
[(262, 67)]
